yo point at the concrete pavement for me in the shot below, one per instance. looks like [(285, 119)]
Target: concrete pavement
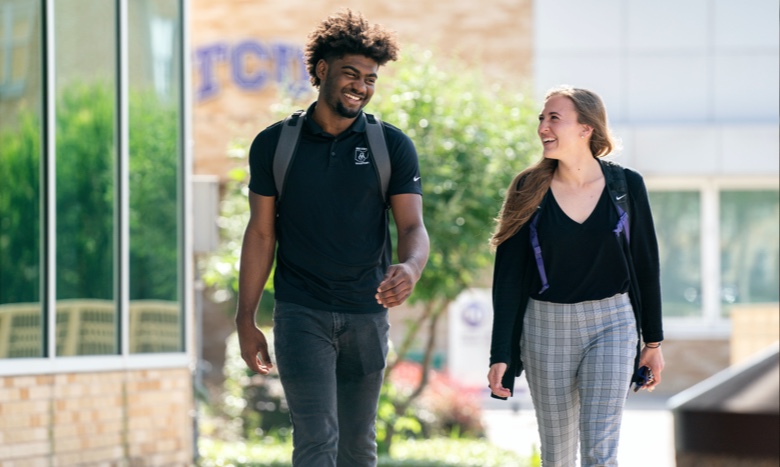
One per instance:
[(646, 437)]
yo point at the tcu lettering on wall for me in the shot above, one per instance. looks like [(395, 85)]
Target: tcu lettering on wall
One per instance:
[(253, 66)]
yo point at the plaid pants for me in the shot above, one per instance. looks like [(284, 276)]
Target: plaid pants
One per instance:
[(578, 360)]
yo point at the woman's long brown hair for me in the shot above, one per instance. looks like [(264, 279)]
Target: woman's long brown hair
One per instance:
[(528, 188)]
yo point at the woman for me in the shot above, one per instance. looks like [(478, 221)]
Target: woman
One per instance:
[(576, 284)]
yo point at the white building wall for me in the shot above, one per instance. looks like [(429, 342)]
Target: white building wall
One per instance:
[(691, 86)]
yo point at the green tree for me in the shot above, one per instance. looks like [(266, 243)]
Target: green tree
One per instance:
[(472, 137), (20, 211), (154, 202), (85, 158)]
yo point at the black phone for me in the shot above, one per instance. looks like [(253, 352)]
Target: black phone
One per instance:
[(644, 374)]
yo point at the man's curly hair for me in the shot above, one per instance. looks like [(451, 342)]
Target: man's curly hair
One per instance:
[(348, 33)]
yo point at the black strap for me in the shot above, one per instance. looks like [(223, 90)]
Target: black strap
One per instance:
[(378, 145), (285, 148), (617, 186)]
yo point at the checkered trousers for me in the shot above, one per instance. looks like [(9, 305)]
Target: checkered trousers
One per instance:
[(578, 360)]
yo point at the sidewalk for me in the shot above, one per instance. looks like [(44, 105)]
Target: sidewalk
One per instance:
[(646, 437)]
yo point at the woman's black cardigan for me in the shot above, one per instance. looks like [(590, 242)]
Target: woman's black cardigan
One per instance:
[(515, 268)]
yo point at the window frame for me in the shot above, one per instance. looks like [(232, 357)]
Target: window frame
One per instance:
[(50, 363), (710, 324)]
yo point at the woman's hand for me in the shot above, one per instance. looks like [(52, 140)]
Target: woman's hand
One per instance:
[(495, 375), (653, 358)]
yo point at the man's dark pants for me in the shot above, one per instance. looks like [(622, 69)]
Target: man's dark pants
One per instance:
[(331, 366)]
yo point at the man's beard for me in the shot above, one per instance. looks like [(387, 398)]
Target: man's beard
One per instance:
[(345, 112)]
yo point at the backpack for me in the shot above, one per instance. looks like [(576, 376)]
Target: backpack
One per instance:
[(618, 193), (288, 142)]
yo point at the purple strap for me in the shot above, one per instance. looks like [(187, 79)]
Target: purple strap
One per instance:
[(622, 226), (538, 254)]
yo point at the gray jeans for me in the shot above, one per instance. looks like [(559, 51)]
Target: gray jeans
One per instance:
[(331, 366)]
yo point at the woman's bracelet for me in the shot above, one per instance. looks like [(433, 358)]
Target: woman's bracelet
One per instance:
[(655, 346)]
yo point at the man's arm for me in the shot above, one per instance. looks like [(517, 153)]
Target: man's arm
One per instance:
[(413, 248), (257, 258)]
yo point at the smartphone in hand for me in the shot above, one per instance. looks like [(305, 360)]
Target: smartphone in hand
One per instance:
[(644, 375)]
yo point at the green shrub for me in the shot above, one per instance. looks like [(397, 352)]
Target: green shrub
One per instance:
[(444, 409)]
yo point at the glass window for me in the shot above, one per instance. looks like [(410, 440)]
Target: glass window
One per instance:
[(677, 216), (155, 165), (749, 250), (21, 313), (19, 32), (86, 180), (85, 34)]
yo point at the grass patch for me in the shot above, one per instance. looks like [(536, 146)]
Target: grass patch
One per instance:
[(439, 452), (270, 453), (444, 452)]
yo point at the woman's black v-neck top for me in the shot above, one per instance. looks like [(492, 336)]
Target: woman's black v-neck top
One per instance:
[(582, 261)]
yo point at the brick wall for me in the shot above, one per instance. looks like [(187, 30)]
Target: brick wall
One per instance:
[(111, 418)]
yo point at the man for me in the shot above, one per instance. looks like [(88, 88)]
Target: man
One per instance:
[(334, 280)]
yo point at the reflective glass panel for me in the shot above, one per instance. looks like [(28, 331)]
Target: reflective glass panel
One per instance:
[(749, 249), (678, 226), (86, 54), (155, 167), (21, 315)]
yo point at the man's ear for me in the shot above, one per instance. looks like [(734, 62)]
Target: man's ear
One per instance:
[(322, 69)]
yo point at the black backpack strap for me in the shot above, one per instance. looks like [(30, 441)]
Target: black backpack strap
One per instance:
[(376, 141), (285, 148), (618, 193)]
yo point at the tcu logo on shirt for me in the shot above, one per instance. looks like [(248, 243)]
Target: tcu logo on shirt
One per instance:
[(361, 156)]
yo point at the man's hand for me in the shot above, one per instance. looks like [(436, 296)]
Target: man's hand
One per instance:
[(397, 285), (254, 349), (413, 248)]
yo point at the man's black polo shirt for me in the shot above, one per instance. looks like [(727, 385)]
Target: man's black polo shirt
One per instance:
[(332, 231)]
